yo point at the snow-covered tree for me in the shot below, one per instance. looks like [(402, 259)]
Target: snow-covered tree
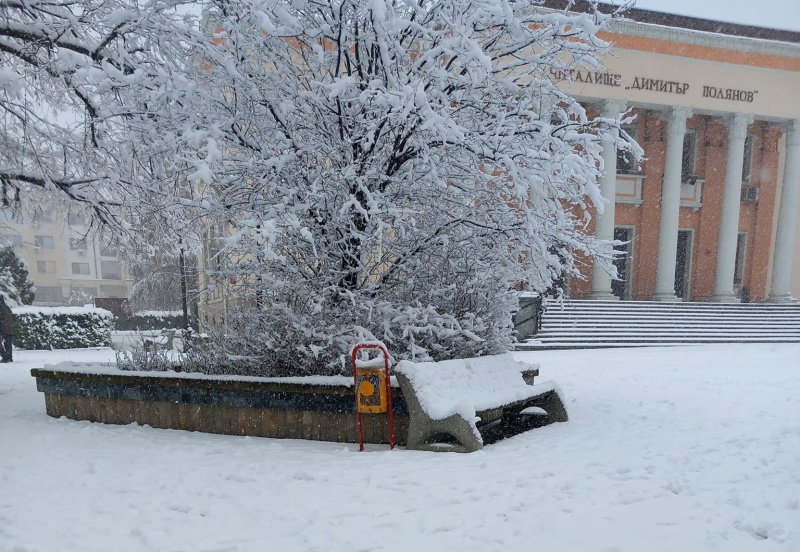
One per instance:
[(76, 80), (157, 283), (382, 168), (14, 283), (390, 170)]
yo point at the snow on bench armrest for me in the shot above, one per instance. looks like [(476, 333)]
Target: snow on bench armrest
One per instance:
[(467, 386)]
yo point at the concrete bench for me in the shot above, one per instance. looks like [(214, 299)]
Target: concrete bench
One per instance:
[(161, 341), (457, 405)]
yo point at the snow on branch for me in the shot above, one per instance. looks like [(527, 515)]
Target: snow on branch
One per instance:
[(76, 86)]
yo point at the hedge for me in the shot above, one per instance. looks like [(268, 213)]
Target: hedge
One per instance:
[(151, 320), (62, 327)]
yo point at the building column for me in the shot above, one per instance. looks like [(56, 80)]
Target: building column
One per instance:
[(601, 279), (670, 206), (780, 291), (731, 200)]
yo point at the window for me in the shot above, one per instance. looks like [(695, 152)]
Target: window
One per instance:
[(46, 267), (747, 167), (626, 164), (75, 243), (86, 291), (13, 240), (44, 242), (108, 251), (76, 220), (42, 218), (113, 291), (689, 154), (741, 246), (213, 248), (80, 268), (45, 294), (110, 270)]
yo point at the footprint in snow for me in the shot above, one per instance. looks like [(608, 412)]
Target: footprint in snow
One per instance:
[(303, 476)]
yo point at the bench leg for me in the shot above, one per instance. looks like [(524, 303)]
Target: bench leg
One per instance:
[(514, 422), (420, 433), (554, 406)]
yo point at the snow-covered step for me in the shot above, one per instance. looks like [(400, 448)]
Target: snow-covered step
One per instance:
[(567, 324), (596, 324), (680, 305)]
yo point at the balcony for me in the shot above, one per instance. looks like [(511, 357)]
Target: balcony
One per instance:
[(629, 188), (692, 191)]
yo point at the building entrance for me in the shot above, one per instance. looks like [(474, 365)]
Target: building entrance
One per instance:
[(683, 264), (621, 287)]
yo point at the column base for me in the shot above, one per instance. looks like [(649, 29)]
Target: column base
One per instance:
[(724, 298), (783, 298), (602, 296), (667, 298)]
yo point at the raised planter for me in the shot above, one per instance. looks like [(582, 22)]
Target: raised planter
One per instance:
[(313, 408)]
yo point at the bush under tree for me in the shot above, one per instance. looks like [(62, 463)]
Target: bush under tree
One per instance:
[(14, 283)]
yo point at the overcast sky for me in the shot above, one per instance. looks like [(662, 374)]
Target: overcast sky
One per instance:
[(777, 14)]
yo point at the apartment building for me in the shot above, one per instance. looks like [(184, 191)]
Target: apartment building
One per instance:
[(65, 261)]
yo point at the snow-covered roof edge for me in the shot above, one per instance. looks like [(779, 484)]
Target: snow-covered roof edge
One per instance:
[(710, 39), (695, 31)]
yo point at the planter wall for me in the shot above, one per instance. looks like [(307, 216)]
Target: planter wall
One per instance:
[(267, 407)]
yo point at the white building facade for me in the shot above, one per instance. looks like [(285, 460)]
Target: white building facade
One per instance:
[(66, 262)]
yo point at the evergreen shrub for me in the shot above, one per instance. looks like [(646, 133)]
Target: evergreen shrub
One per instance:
[(151, 320), (62, 327)]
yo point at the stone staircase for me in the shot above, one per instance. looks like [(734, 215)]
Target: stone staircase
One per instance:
[(608, 324)]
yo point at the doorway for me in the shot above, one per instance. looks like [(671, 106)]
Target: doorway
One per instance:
[(683, 264), (621, 287)]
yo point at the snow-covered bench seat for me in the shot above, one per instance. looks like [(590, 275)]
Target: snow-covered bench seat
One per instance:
[(451, 402)]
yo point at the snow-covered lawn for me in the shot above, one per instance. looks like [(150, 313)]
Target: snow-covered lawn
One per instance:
[(677, 450)]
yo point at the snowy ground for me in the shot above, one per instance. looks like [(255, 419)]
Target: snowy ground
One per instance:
[(678, 449)]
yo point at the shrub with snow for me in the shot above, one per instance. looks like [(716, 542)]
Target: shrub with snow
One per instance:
[(151, 320), (62, 327), (14, 283)]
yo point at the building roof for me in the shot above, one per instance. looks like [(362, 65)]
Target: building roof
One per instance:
[(683, 21)]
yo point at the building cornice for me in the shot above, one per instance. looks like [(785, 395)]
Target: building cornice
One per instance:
[(705, 38), (692, 30)]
